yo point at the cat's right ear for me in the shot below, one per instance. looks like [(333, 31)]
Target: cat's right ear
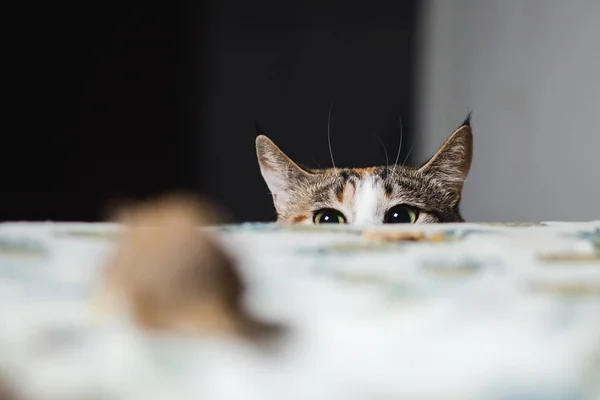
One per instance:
[(452, 162), (279, 172)]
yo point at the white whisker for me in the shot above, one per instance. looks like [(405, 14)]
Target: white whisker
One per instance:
[(408, 154), (387, 161), (329, 133), (400, 145)]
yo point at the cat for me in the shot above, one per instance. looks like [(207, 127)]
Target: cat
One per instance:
[(370, 196)]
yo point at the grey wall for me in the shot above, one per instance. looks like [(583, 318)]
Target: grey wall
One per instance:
[(530, 70)]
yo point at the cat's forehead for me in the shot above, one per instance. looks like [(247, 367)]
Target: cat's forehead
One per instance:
[(392, 184), (353, 176), (343, 182)]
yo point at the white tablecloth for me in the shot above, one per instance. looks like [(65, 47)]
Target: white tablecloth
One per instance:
[(486, 312)]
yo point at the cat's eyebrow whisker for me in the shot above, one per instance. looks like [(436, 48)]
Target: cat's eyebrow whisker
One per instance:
[(387, 161), (399, 146), (408, 154), (329, 132), (316, 162)]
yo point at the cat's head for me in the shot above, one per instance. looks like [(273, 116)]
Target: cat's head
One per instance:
[(369, 196)]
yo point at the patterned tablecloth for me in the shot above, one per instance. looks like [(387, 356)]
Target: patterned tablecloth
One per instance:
[(468, 311)]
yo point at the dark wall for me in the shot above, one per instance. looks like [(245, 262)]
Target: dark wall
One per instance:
[(282, 63), (128, 102), (98, 87)]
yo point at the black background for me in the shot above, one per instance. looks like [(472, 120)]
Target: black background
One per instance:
[(126, 102)]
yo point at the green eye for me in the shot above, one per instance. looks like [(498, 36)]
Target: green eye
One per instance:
[(329, 216), (401, 214)]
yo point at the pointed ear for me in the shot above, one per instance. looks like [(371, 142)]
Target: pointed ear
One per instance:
[(279, 172), (452, 161)]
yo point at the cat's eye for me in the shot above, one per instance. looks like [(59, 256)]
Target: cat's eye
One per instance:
[(401, 214), (329, 216)]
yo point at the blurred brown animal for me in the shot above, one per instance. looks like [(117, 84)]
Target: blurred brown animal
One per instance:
[(174, 275), (6, 393)]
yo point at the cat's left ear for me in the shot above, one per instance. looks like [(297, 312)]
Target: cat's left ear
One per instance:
[(281, 174), (452, 162)]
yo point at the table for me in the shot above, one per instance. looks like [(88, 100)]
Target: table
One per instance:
[(451, 311)]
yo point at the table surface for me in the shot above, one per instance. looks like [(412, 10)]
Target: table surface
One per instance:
[(484, 311)]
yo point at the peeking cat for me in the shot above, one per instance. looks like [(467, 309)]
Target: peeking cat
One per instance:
[(369, 196)]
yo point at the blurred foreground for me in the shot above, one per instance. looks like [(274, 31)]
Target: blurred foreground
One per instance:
[(159, 309)]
